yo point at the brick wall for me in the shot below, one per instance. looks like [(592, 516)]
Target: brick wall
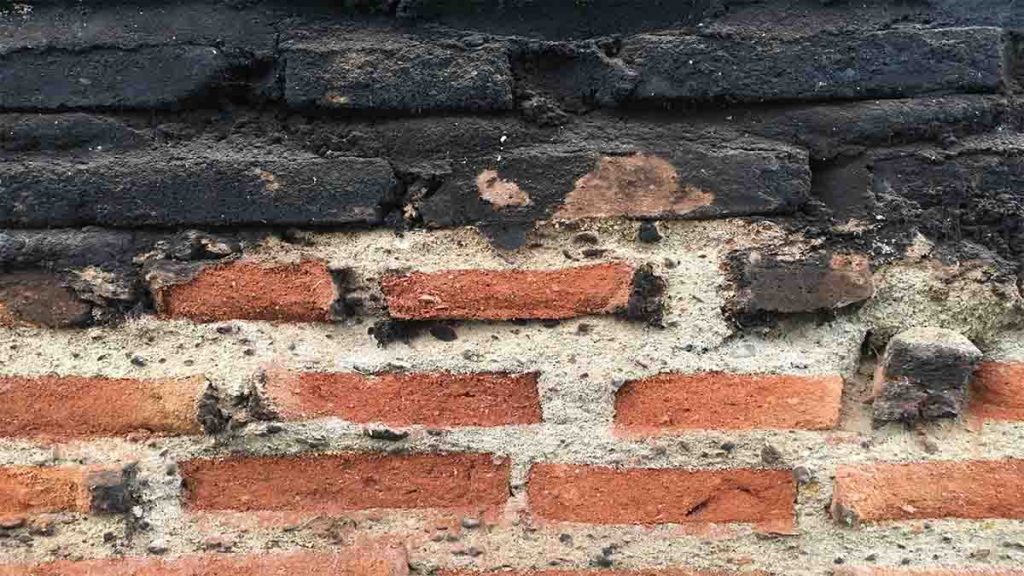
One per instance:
[(562, 288)]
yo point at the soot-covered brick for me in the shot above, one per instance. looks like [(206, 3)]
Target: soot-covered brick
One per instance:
[(111, 490), (773, 283), (924, 375)]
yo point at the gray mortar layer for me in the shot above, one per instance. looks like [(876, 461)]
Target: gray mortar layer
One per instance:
[(579, 374)]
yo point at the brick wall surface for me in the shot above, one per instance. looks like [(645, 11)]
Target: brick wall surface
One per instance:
[(512, 288)]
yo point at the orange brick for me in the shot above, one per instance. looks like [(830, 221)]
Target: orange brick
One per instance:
[(972, 490), (30, 490), (728, 401), (997, 392), (509, 294), (63, 407), (389, 562), (335, 483), (431, 399), (248, 290), (600, 495)]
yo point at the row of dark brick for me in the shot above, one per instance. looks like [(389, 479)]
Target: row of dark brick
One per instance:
[(76, 60), (506, 189)]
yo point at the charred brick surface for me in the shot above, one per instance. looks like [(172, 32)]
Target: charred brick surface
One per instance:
[(924, 375)]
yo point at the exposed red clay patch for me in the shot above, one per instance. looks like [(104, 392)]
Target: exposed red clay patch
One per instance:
[(384, 562), (500, 193), (640, 185), (715, 400), (28, 490), (302, 292), (64, 407), (431, 399), (600, 495), (509, 294), (997, 392), (972, 490), (326, 484)]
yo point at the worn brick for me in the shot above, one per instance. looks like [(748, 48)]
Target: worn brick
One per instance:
[(334, 483), (970, 193), (250, 290), (713, 400), (509, 294), (946, 489), (668, 177), (600, 495), (63, 407), (997, 392), (923, 375), (407, 398), (356, 71), (37, 298), (349, 562), (186, 187), (29, 490), (148, 77), (827, 65), (767, 282)]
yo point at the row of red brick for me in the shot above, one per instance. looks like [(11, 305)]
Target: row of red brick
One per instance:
[(383, 562), (335, 483), (66, 407), (305, 292)]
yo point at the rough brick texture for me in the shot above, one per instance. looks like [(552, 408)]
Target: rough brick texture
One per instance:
[(727, 401), (599, 495), (509, 294), (998, 391), (39, 490), (429, 399), (970, 489), (63, 407), (205, 187), (301, 292), (348, 563), (515, 287), (335, 483)]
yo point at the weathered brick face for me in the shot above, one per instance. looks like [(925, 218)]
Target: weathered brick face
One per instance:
[(334, 483), (511, 288)]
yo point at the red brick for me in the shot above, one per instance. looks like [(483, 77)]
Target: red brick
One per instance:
[(509, 294), (248, 290), (600, 495), (350, 481), (63, 407), (972, 489), (717, 400), (401, 399), (997, 392), (30, 490), (870, 571), (385, 562)]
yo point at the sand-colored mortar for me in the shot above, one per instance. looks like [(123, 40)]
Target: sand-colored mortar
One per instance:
[(579, 374)]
